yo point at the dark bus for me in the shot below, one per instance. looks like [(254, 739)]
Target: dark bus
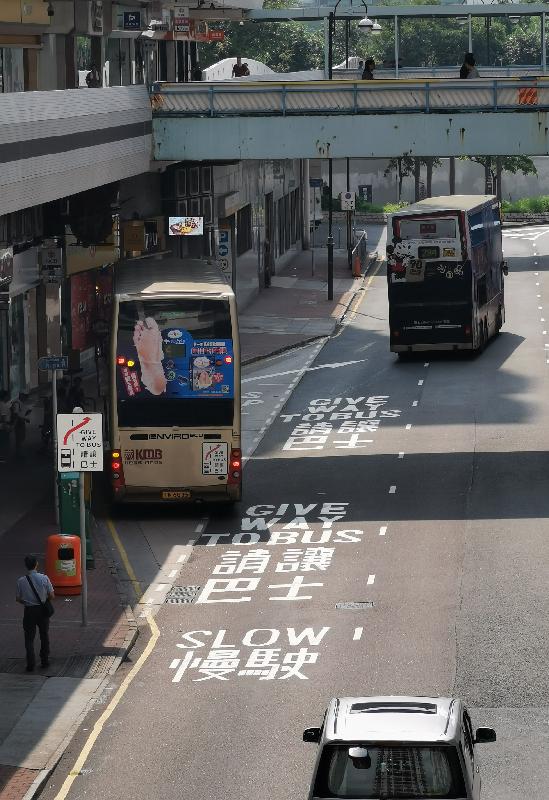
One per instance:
[(445, 274)]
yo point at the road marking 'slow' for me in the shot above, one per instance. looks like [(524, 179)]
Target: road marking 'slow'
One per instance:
[(392, 490), (371, 579), (383, 530), (357, 634)]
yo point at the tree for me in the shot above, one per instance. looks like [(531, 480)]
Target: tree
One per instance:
[(494, 166), (406, 166)]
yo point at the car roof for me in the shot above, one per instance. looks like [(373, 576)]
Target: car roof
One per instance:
[(393, 718)]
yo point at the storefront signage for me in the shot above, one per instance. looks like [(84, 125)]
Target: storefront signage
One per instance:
[(186, 226), (131, 20), (225, 253), (181, 20), (6, 267), (81, 258), (51, 264)]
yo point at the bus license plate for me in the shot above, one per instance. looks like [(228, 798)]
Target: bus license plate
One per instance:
[(180, 495)]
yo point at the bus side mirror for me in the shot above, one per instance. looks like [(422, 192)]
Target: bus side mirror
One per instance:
[(485, 735), (504, 268)]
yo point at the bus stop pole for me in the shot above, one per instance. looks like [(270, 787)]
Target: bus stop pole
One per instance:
[(330, 242), (54, 440), (83, 550)]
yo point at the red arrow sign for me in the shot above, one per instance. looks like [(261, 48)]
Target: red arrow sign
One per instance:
[(76, 427)]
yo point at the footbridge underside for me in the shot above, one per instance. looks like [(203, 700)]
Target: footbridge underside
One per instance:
[(324, 119)]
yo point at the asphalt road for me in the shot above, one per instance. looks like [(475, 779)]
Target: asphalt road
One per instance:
[(420, 488)]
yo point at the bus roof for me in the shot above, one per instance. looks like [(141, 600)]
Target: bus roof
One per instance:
[(168, 276), (454, 202)]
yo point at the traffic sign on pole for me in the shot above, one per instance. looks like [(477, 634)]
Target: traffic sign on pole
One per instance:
[(80, 442), (53, 362)]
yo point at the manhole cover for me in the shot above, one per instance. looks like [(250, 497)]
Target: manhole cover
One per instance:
[(182, 594), (355, 606)]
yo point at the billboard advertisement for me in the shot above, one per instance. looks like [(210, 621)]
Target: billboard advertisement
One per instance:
[(186, 226)]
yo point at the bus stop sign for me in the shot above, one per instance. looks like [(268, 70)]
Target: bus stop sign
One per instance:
[(53, 362), (80, 442)]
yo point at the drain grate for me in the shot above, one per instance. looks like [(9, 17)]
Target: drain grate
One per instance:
[(355, 605), (181, 594)]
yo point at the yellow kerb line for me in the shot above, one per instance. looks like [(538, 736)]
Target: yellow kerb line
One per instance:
[(155, 633), (98, 727), (360, 298), (125, 560)]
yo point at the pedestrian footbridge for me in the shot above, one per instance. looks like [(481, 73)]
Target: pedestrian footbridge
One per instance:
[(339, 118)]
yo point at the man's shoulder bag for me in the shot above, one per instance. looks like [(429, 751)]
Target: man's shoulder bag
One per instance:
[(47, 607)]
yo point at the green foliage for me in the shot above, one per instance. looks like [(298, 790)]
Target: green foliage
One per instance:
[(512, 164), (536, 205), (283, 46)]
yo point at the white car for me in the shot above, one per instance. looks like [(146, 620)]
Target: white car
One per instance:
[(383, 748)]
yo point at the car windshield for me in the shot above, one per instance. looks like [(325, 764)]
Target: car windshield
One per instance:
[(388, 772)]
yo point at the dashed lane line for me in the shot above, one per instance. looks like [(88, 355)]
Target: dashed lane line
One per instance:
[(401, 454), (383, 530), (408, 426), (392, 490), (371, 579)]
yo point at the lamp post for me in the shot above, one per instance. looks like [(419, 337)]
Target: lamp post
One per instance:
[(365, 24)]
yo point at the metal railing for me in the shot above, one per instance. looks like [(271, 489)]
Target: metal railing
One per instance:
[(349, 97)]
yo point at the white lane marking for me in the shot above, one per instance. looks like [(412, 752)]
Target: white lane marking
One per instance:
[(537, 284), (371, 579), (544, 333), (415, 402), (538, 295), (401, 454), (356, 635), (408, 426), (172, 574), (540, 308), (426, 364), (200, 527), (392, 490), (383, 530), (161, 586), (420, 383), (181, 558), (542, 319), (309, 369)]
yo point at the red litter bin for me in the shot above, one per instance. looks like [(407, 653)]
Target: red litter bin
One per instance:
[(64, 563)]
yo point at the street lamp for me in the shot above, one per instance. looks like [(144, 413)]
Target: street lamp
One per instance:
[(365, 24)]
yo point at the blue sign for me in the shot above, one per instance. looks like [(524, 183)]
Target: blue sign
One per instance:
[(315, 183), (53, 362), (132, 20)]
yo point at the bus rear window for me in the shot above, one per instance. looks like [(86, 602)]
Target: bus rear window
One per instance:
[(174, 356), (428, 228)]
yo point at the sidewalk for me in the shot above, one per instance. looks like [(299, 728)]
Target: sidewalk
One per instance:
[(41, 710), (295, 308)]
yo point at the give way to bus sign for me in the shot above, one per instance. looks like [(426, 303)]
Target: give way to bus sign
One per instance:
[(80, 442)]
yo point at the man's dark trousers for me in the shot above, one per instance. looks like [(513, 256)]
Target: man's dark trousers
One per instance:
[(34, 617)]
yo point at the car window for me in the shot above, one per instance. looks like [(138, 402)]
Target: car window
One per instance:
[(468, 735), (392, 771)]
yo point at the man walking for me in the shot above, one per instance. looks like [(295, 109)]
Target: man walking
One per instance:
[(33, 589)]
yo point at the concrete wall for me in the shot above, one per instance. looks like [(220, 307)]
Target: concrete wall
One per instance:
[(469, 179)]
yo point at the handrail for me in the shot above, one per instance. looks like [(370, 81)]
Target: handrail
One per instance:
[(265, 98)]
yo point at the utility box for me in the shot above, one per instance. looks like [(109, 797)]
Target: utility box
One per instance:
[(69, 511)]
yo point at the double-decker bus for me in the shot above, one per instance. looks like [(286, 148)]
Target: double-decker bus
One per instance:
[(174, 421), (445, 274)]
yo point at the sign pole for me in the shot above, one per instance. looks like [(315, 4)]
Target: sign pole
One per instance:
[(54, 437), (83, 550)]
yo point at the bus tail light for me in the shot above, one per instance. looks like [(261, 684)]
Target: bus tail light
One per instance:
[(117, 470), (235, 466)]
